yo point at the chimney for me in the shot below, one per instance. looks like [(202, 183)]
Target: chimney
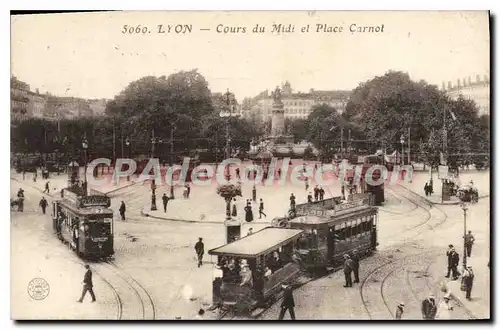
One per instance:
[(469, 79), (449, 85), (478, 79), (458, 83)]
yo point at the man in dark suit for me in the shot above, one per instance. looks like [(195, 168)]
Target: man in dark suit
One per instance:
[(453, 260), (87, 285), (165, 200), (355, 260), (199, 248), (288, 303)]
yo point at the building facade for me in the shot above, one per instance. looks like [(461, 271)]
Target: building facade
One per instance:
[(19, 100), (67, 107), (298, 105), (98, 106), (36, 105), (477, 91)]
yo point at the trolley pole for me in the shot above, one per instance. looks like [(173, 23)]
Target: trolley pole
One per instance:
[(172, 163), (464, 260)]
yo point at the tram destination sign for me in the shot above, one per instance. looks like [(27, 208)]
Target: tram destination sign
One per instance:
[(95, 200)]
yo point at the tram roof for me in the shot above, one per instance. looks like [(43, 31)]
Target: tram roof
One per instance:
[(259, 243), (312, 220), (85, 210)]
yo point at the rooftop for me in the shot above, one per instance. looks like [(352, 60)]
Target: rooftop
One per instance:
[(259, 243)]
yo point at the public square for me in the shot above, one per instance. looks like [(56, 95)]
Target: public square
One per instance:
[(158, 253)]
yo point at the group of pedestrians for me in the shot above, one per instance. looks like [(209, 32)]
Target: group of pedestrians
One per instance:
[(351, 265)]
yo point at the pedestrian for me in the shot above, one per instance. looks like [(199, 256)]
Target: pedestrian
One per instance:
[(46, 190), (292, 201), (469, 240), (43, 204), (426, 189), (20, 193), (250, 231), (248, 213), (355, 260), (288, 302), (321, 193), (122, 210), (279, 173), (34, 176), (165, 200), (261, 209), (444, 308), (24, 174), (87, 285), (199, 248), (399, 311), (348, 268), (453, 260), (238, 173), (188, 190), (200, 314), (309, 198), (234, 213), (429, 308), (468, 278), (307, 183), (316, 193)]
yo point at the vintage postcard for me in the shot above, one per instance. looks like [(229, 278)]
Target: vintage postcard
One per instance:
[(284, 165)]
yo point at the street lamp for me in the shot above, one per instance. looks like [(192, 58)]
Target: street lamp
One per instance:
[(85, 145), (127, 143), (402, 141), (465, 207), (230, 112), (154, 141)]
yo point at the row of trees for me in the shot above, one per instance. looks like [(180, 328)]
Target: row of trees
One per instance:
[(379, 112)]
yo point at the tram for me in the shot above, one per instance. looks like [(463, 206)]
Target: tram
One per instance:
[(265, 259), (253, 268), (329, 233), (378, 190), (85, 223)]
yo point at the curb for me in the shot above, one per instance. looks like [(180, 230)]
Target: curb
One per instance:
[(195, 221), (32, 187), (436, 203), (458, 300)]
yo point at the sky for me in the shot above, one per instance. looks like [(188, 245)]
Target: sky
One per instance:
[(87, 55)]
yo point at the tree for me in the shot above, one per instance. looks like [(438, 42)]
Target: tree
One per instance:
[(324, 125), (385, 107), (178, 102), (228, 192)]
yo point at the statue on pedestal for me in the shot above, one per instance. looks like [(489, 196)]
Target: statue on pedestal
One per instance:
[(277, 95)]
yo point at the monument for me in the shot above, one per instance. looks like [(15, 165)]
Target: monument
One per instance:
[(278, 132)]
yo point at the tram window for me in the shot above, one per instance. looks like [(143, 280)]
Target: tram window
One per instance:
[(354, 230), (340, 234)]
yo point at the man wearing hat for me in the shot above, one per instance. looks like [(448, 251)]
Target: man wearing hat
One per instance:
[(399, 311), (348, 268), (199, 248), (288, 302), (87, 285), (453, 260), (429, 308), (468, 277)]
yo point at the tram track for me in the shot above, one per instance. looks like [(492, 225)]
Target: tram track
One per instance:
[(133, 301)]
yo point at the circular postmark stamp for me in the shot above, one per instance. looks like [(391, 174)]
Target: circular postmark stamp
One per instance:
[(38, 289)]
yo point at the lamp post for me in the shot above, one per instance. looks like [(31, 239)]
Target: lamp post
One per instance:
[(85, 146), (464, 207), (230, 112), (154, 141), (402, 141), (127, 143)]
